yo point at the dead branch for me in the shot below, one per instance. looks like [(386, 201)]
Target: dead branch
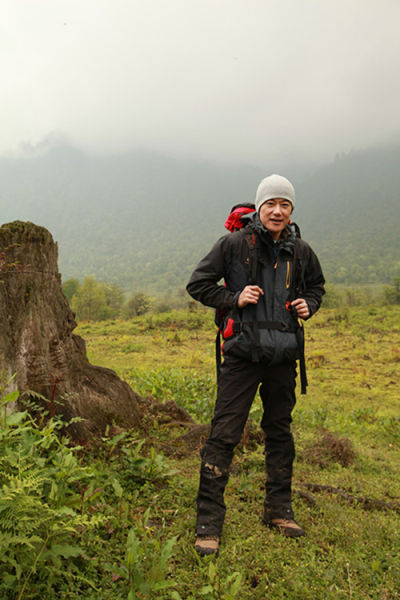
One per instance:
[(365, 501)]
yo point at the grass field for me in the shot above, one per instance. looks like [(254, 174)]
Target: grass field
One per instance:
[(353, 365), (347, 433)]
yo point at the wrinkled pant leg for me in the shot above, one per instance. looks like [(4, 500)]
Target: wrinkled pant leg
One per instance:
[(214, 475), (278, 396), (237, 387)]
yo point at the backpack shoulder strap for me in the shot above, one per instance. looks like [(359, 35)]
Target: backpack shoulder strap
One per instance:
[(299, 270), (299, 266), (252, 242)]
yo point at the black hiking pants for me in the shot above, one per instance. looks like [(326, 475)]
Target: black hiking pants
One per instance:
[(238, 383)]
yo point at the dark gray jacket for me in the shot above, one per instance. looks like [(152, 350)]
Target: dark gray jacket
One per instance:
[(285, 270)]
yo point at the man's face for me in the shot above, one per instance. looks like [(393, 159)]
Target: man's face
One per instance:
[(275, 215)]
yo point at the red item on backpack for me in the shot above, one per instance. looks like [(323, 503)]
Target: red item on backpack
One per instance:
[(234, 220)]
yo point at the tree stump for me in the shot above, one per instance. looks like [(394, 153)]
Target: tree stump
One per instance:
[(37, 343)]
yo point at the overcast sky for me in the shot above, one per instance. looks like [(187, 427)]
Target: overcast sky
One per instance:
[(233, 80)]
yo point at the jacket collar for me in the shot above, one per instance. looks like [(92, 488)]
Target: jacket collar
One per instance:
[(285, 242)]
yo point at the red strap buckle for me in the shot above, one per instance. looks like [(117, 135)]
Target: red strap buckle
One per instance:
[(228, 331)]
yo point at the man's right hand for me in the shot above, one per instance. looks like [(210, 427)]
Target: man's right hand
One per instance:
[(249, 295)]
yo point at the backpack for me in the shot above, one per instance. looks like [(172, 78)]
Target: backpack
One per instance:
[(234, 223)]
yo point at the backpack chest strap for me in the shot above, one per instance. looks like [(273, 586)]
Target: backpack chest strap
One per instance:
[(239, 326)]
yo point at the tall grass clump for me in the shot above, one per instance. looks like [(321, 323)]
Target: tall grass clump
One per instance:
[(195, 391)]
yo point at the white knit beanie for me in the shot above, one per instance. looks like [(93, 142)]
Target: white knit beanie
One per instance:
[(274, 186)]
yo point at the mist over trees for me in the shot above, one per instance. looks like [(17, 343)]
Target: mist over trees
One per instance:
[(142, 221), (350, 213)]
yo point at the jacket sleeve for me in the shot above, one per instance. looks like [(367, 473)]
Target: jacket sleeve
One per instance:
[(204, 283), (313, 283)]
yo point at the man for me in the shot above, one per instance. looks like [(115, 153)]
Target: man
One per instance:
[(272, 277)]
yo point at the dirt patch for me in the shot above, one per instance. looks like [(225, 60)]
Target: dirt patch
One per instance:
[(329, 448), (195, 438), (165, 412)]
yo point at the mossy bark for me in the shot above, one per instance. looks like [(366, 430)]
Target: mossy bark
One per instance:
[(37, 340)]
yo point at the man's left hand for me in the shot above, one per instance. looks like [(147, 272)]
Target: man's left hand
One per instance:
[(301, 307)]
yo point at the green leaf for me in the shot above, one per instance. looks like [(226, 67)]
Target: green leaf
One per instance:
[(66, 551), (9, 580), (11, 397), (53, 491), (167, 550), (162, 585), (66, 510), (236, 585), (119, 492), (211, 572), (16, 418)]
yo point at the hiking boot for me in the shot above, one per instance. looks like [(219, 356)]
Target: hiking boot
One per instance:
[(206, 544), (287, 527)]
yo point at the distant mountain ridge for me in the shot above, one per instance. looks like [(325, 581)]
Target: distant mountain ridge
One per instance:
[(143, 220)]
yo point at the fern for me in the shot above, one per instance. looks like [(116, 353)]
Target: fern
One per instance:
[(40, 481)]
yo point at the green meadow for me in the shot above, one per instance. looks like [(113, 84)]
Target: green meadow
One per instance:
[(115, 519)]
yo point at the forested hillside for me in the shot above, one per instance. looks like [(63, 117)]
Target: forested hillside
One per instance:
[(144, 220), (350, 212)]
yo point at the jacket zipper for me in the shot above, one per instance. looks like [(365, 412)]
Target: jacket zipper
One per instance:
[(274, 285), (288, 275)]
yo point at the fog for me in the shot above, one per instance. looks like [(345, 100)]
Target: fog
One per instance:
[(229, 80)]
